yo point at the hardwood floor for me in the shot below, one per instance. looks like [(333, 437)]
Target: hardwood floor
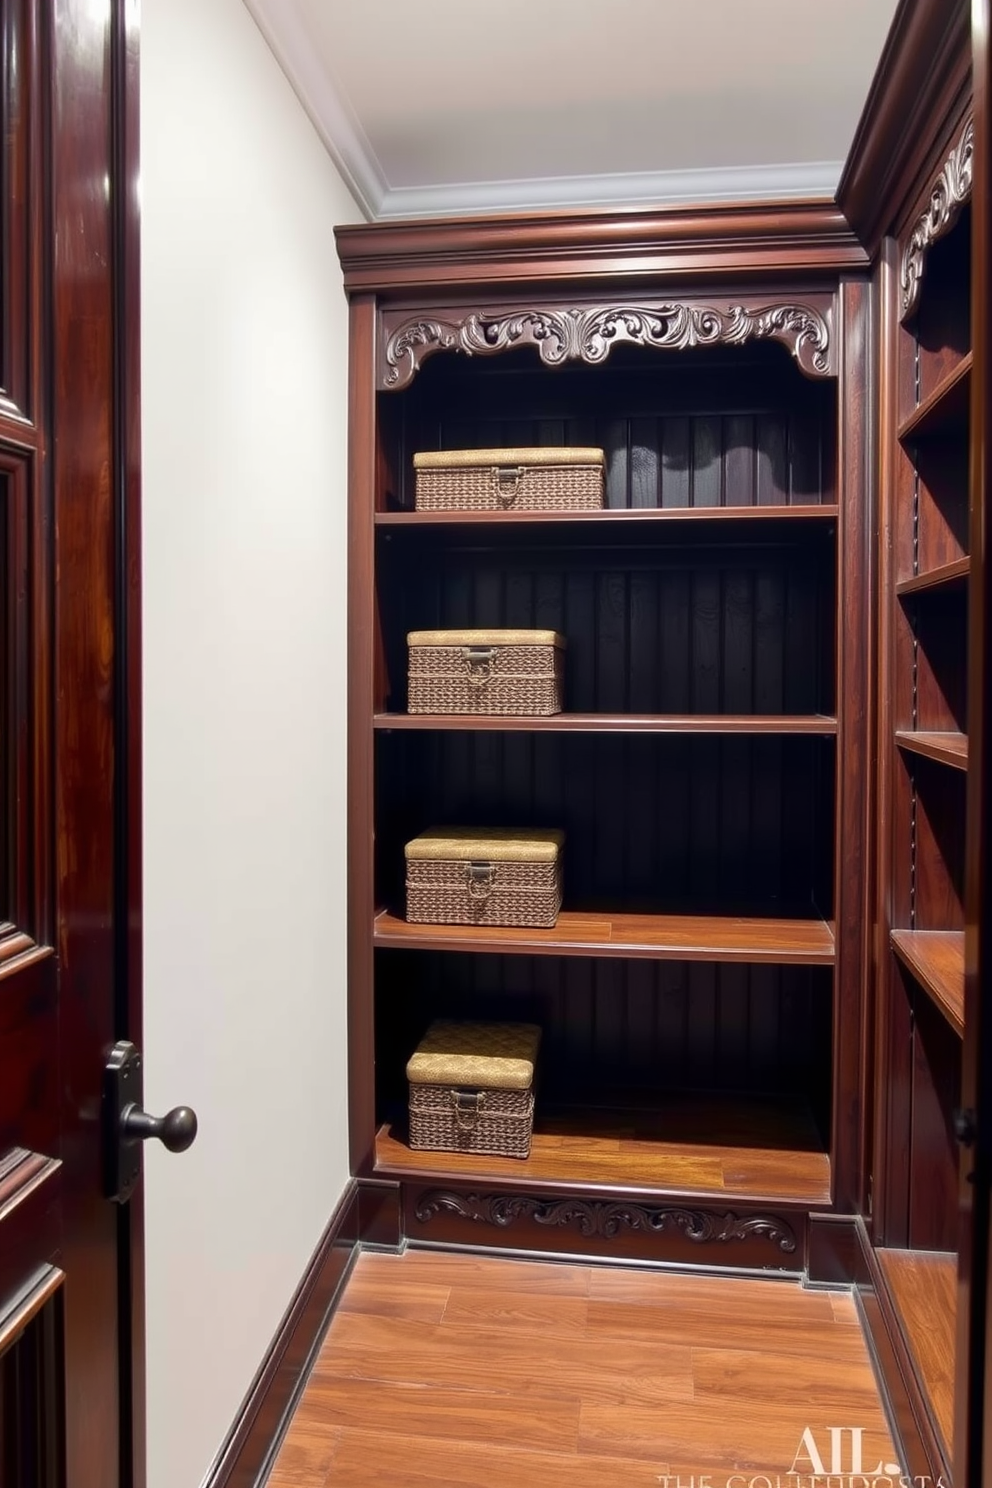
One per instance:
[(459, 1371)]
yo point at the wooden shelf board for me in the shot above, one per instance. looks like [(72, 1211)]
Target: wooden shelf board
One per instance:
[(733, 1146), (936, 960), (661, 937), (609, 516), (946, 748), (944, 409), (923, 1285), (615, 723), (947, 577)]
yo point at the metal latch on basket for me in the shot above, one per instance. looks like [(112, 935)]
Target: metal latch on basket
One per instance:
[(479, 663), (507, 480), (468, 1108), (479, 877)]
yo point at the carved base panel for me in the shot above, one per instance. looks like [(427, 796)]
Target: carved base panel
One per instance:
[(686, 1233)]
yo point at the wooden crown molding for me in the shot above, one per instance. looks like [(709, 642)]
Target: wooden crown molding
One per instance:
[(925, 66), (948, 194), (589, 334), (439, 255)]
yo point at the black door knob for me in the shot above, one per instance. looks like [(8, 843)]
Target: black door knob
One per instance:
[(176, 1130)]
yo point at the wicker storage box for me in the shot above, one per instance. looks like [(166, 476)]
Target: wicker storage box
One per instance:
[(472, 876), (472, 1088), (514, 480), (498, 672)]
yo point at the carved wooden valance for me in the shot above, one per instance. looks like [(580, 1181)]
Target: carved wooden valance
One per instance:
[(948, 194), (589, 334), (607, 1220)]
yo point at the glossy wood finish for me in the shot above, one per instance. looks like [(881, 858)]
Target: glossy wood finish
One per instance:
[(924, 1287), (364, 656), (736, 1147), (518, 1374), (611, 522), (936, 959), (69, 438), (664, 937), (615, 723), (945, 576), (751, 242), (922, 72), (973, 1404), (947, 748)]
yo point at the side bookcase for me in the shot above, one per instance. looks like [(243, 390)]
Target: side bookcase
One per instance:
[(700, 994)]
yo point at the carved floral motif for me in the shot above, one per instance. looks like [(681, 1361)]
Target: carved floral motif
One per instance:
[(604, 1219), (589, 335), (948, 195)]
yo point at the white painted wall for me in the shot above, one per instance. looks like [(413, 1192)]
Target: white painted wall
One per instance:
[(244, 407)]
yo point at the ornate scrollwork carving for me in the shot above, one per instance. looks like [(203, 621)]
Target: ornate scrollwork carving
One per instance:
[(948, 195), (604, 1219), (589, 335)]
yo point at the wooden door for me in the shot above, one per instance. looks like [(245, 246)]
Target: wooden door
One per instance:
[(70, 1258)]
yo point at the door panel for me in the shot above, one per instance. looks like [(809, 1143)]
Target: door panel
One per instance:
[(67, 910)]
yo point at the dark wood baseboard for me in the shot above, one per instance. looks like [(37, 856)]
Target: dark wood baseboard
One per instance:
[(247, 1452), (908, 1408)]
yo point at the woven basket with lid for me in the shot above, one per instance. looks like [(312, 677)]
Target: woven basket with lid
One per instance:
[(511, 480), (493, 672), (472, 1088), (477, 876)]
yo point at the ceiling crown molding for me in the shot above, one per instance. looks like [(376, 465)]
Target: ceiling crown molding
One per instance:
[(325, 101), (621, 189)]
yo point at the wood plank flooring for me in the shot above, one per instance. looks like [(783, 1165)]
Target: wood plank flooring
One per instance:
[(442, 1370)]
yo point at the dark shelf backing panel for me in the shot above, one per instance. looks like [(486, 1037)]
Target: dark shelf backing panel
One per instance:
[(678, 430), (928, 844), (644, 1028), (650, 628), (924, 1090), (711, 824), (930, 683)]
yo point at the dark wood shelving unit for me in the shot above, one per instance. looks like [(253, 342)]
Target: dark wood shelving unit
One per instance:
[(946, 577), (944, 410), (927, 582), (946, 748), (618, 723), (710, 762), (936, 960), (658, 937)]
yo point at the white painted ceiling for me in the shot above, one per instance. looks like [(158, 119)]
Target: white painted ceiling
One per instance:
[(437, 106)]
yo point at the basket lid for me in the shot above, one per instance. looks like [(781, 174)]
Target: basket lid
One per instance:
[(486, 638), (471, 459), (487, 845), (494, 1056)]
